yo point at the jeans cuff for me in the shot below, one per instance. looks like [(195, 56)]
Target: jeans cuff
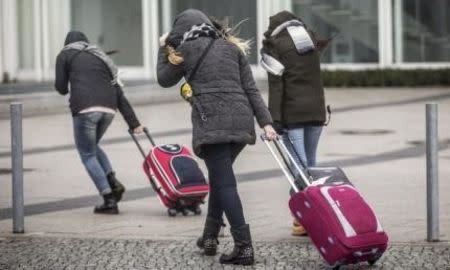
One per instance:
[(106, 191)]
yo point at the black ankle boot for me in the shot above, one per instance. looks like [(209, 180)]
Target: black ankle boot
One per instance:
[(242, 253), (109, 205), (117, 188), (208, 241)]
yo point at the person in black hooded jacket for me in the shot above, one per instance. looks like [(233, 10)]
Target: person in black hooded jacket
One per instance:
[(95, 95)]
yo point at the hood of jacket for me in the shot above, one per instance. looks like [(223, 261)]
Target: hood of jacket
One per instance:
[(74, 36), (278, 19), (183, 23)]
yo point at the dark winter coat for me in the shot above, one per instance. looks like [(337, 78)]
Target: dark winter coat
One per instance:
[(223, 87), (296, 98), (90, 81)]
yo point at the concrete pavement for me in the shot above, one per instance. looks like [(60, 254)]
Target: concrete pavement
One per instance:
[(376, 135)]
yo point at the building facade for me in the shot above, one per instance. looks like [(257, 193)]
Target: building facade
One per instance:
[(366, 33)]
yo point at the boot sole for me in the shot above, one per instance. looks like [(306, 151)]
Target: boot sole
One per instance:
[(243, 262), (107, 212), (210, 252), (207, 251)]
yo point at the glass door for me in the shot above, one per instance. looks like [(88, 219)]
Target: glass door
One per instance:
[(421, 31), (232, 10), (352, 23), (113, 25), (28, 44)]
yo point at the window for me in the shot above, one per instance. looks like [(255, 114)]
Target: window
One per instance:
[(25, 24), (234, 10), (55, 17), (353, 23), (421, 30), (113, 25)]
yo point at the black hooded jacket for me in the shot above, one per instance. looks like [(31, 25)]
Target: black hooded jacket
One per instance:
[(90, 81), (297, 97)]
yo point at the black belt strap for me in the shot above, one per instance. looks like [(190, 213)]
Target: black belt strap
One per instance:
[(195, 102), (200, 60)]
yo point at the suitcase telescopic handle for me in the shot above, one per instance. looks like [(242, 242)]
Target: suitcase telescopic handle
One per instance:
[(277, 159), (150, 138), (136, 141), (283, 151), (306, 179)]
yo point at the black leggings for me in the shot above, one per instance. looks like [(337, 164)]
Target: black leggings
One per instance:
[(223, 196)]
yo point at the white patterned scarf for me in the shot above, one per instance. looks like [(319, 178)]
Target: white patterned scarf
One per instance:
[(93, 49), (200, 30)]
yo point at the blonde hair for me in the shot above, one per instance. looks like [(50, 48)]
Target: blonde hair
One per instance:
[(231, 34), (173, 55), (242, 44), (228, 33)]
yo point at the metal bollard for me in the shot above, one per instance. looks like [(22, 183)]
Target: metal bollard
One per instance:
[(432, 151), (17, 167)]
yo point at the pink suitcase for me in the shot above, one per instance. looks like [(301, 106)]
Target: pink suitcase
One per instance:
[(340, 223), (175, 176)]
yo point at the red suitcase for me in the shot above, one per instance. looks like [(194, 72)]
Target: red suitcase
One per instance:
[(340, 223), (175, 176)]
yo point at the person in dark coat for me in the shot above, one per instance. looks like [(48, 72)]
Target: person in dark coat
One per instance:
[(290, 54), (224, 103), (95, 95)]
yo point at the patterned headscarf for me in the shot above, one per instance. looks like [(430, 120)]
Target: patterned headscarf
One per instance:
[(201, 30)]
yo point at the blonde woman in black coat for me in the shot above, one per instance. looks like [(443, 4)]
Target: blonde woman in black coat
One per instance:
[(224, 103)]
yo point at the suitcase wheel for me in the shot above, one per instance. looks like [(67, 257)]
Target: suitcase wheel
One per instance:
[(185, 212), (172, 212), (374, 259), (197, 210), (372, 262)]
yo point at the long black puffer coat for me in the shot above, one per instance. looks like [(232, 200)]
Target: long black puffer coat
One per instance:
[(224, 87)]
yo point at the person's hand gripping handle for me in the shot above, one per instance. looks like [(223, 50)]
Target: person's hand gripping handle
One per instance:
[(270, 133)]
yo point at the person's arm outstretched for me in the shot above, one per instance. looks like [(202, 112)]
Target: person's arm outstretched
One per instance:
[(61, 74), (127, 112), (276, 87), (257, 103)]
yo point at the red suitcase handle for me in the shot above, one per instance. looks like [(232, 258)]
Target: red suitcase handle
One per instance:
[(150, 138)]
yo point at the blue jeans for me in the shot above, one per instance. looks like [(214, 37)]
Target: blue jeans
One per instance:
[(302, 144), (88, 130)]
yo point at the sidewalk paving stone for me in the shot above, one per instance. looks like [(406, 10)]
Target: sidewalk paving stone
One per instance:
[(77, 253)]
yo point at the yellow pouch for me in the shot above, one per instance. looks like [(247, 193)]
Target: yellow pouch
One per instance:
[(186, 91)]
